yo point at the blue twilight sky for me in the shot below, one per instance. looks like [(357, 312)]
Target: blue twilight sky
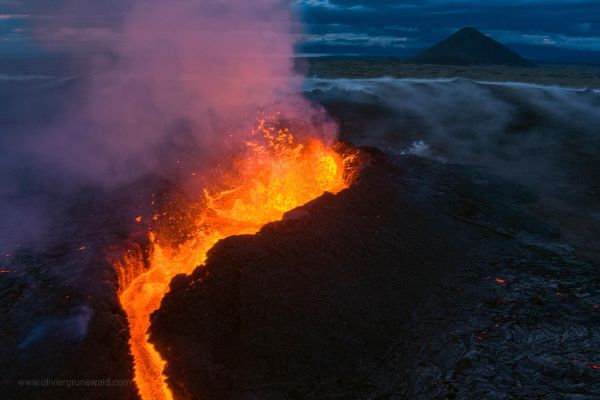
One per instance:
[(536, 28)]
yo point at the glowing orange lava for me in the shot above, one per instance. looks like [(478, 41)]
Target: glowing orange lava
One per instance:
[(275, 175)]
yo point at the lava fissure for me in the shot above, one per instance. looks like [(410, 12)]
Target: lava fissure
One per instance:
[(275, 175)]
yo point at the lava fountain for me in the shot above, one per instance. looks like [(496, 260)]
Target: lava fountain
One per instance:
[(274, 174)]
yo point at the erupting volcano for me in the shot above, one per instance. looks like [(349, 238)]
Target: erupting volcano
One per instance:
[(273, 175), (197, 206)]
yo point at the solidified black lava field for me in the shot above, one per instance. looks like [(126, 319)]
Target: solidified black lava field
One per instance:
[(422, 280), (410, 284)]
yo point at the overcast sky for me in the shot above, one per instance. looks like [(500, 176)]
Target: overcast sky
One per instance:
[(345, 26), (414, 24)]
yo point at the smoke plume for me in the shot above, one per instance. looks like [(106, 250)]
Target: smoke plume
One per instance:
[(187, 75), (172, 87)]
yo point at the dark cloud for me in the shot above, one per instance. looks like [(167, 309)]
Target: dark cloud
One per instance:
[(565, 24), (368, 26), (37, 26)]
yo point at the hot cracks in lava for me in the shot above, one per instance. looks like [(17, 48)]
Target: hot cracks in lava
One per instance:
[(275, 174)]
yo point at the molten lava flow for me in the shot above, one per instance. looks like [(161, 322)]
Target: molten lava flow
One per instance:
[(273, 176)]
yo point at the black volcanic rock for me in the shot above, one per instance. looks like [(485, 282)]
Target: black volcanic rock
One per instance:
[(468, 46), (308, 307), (332, 302), (63, 332)]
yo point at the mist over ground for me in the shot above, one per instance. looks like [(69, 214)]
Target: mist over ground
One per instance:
[(544, 137), (575, 76)]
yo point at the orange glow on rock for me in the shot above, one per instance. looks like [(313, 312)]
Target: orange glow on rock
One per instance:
[(274, 175)]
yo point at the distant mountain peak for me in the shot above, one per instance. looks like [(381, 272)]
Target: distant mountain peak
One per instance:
[(468, 46), (468, 30)]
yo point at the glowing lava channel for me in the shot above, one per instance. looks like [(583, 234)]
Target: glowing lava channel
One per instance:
[(274, 176)]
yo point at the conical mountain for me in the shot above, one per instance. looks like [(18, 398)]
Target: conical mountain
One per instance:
[(468, 46)]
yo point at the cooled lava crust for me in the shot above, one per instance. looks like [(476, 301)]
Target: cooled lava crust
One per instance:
[(307, 307)]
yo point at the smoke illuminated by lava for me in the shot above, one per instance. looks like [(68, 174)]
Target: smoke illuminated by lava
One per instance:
[(274, 175), (174, 96)]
